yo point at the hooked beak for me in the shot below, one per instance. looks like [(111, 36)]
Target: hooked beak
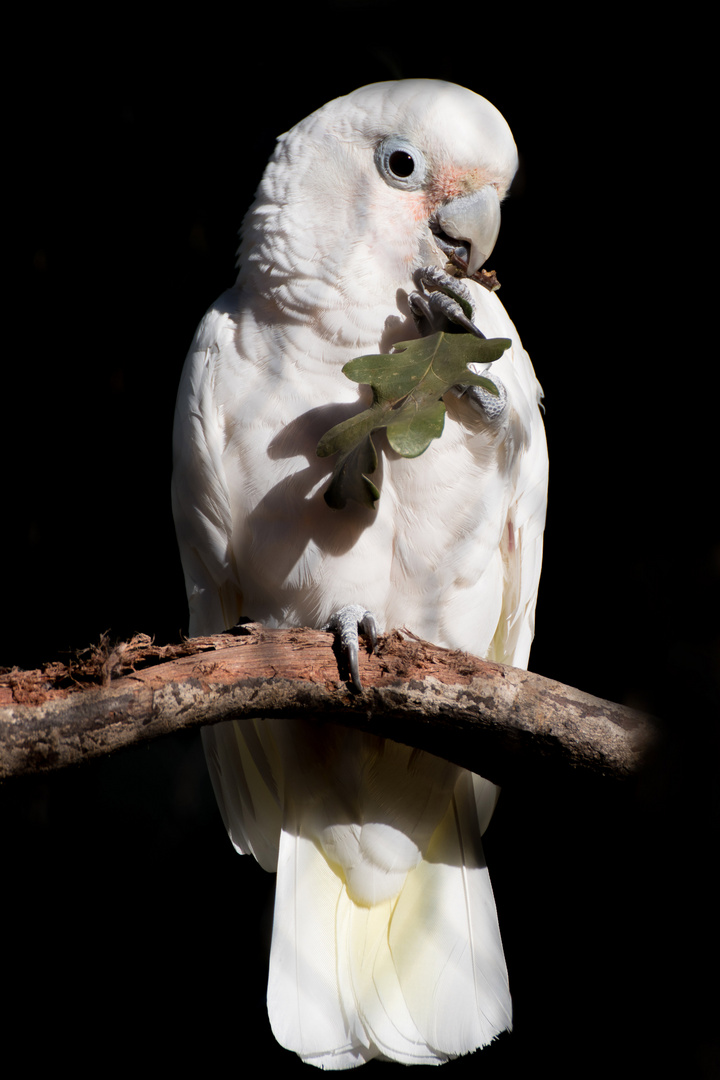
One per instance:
[(466, 228)]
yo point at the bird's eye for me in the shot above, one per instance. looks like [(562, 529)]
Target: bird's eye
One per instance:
[(400, 163)]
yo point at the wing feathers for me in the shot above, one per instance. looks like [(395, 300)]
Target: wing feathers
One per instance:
[(243, 764)]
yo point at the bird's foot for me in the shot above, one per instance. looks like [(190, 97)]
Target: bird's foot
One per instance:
[(347, 624), (446, 300), (493, 407), (444, 303)]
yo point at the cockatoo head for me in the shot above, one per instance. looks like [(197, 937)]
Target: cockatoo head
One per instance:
[(373, 186)]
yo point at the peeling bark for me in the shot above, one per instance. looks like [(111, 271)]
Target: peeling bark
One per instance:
[(496, 720)]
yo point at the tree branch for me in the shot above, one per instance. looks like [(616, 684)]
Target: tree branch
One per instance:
[(493, 719)]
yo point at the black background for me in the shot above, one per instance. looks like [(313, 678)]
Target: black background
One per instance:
[(133, 935)]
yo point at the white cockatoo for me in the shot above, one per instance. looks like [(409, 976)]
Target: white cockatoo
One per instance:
[(385, 938)]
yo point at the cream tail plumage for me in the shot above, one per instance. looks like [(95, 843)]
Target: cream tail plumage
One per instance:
[(385, 937)]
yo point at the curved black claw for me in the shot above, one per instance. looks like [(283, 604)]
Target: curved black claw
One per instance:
[(444, 302), (347, 624)]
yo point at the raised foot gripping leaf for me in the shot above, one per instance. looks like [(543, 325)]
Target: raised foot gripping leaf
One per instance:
[(407, 386)]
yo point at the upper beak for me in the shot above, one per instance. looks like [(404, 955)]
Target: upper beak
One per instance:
[(474, 221)]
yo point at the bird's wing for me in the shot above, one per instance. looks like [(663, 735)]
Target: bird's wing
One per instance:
[(522, 548), (242, 767), (200, 494)]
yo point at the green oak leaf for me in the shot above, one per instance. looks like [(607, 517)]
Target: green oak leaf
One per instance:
[(407, 386), (351, 477)]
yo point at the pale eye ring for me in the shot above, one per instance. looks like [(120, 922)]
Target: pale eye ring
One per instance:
[(400, 163)]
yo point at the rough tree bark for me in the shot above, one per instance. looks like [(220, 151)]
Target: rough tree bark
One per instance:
[(496, 720)]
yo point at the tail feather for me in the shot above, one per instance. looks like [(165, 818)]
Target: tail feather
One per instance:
[(305, 1008), (418, 978)]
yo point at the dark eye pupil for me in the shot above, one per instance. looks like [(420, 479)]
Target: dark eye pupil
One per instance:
[(401, 163)]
